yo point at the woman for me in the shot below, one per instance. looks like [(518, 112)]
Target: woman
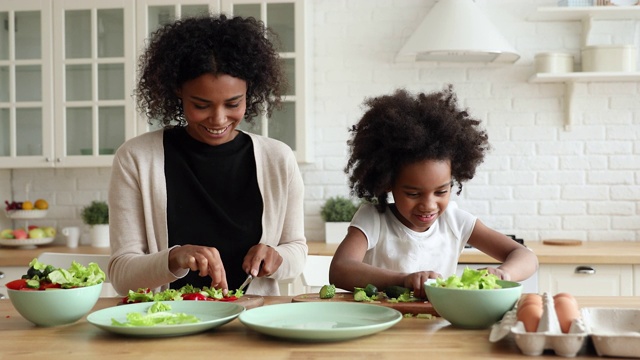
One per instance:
[(201, 202)]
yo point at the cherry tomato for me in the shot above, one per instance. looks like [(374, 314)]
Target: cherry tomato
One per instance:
[(229, 298), (17, 284), (194, 297)]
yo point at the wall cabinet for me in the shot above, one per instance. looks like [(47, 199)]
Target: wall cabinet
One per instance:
[(67, 105), (585, 14), (67, 75), (586, 280)]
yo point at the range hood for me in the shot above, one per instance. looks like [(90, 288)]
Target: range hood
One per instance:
[(457, 31)]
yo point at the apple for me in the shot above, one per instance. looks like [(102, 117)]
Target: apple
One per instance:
[(31, 227), (20, 234), (6, 234), (49, 231), (36, 233)]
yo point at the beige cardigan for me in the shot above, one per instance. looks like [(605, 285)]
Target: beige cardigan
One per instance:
[(138, 214)]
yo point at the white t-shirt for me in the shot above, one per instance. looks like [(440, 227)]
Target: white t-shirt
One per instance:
[(393, 246)]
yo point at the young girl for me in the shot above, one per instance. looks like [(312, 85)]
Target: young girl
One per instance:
[(417, 147)]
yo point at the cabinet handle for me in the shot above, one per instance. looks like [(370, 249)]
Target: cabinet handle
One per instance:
[(2, 296), (588, 270), (58, 160), (1, 275)]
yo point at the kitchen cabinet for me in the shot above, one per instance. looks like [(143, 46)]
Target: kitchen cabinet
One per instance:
[(67, 105), (636, 280), (587, 280), (289, 19), (586, 15)]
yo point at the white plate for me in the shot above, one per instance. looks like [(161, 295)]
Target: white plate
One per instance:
[(26, 214), (320, 321), (210, 313), (26, 243)]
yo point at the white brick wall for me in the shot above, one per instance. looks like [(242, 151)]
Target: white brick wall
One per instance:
[(539, 181)]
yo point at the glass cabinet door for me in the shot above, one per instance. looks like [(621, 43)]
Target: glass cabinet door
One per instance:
[(151, 14), (94, 69), (25, 79), (290, 124)]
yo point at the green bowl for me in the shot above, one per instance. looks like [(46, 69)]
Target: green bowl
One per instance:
[(56, 306), (473, 309)]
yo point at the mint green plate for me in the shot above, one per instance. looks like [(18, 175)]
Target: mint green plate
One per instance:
[(318, 321), (211, 314)]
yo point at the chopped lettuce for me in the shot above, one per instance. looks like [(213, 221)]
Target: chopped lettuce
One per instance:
[(157, 314), (470, 279)]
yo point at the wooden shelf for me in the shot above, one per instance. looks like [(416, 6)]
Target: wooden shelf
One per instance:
[(586, 77), (585, 14)]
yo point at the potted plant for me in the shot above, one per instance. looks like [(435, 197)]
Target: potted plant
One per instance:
[(337, 213), (96, 215)]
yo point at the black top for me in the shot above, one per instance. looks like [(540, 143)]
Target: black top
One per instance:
[(213, 200)]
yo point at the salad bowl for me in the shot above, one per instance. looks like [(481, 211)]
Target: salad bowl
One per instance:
[(55, 306)]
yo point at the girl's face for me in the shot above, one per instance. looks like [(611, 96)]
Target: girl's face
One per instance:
[(213, 106), (421, 193)]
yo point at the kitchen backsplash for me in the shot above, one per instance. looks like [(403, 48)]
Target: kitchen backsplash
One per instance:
[(539, 181)]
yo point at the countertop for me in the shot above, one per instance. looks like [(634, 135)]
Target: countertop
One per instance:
[(590, 253), (411, 338)]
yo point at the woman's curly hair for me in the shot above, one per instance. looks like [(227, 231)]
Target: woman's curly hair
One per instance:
[(187, 48), (401, 129)]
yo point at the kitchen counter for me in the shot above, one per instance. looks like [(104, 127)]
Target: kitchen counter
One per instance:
[(410, 338), (22, 257), (592, 252)]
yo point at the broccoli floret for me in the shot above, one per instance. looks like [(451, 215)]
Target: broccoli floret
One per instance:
[(360, 295), (327, 291)]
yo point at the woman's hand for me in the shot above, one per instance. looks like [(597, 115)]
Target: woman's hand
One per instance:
[(416, 281), (205, 260), (261, 260)]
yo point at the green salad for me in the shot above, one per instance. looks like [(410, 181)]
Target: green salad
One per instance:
[(470, 279)]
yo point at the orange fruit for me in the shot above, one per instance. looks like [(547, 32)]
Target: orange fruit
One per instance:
[(40, 204), (27, 205)]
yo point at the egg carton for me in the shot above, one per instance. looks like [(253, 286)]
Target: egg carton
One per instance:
[(548, 335), (613, 331)]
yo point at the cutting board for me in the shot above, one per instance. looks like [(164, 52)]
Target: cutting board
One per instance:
[(418, 307), (562, 242)]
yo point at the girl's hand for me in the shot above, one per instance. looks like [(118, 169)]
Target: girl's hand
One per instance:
[(205, 260), (416, 281), (503, 275), (261, 260)]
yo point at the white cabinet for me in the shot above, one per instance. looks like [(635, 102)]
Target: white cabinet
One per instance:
[(587, 280), (585, 14), (289, 19), (636, 280), (67, 105)]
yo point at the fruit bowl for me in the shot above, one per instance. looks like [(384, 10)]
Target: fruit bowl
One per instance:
[(26, 243), (26, 214), (55, 307)]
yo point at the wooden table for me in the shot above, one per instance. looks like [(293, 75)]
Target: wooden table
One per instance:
[(411, 338)]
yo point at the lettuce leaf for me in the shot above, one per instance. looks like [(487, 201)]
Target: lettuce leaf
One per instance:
[(470, 279), (157, 314)]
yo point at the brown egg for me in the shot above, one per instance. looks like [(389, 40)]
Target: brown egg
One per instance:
[(567, 311), (530, 298), (565, 295), (530, 315)]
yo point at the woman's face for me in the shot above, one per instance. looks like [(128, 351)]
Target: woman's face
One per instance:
[(213, 106), (421, 192)]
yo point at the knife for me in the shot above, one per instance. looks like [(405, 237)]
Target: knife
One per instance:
[(245, 283)]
